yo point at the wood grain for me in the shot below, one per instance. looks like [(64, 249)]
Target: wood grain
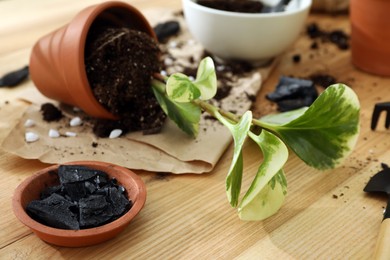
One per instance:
[(326, 214)]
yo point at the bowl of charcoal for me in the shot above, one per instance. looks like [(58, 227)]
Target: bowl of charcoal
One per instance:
[(79, 204)]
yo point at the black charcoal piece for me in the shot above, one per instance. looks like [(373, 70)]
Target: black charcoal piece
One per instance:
[(54, 211), (75, 173), (102, 191), (14, 78), (50, 190), (292, 93), (90, 187), (101, 179), (75, 191), (94, 211), (118, 201), (167, 29)]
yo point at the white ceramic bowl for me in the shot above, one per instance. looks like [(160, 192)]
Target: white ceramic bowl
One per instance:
[(243, 36)]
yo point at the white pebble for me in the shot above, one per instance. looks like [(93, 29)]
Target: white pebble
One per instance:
[(173, 44), (70, 134), (220, 68), (168, 62), (31, 137), (76, 121), (115, 133), (191, 78), (29, 123), (164, 73), (190, 42), (54, 133)]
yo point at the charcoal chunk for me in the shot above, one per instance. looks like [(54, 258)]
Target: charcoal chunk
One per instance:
[(292, 93), (165, 30), (14, 78), (101, 179), (118, 201), (50, 190), (75, 173), (94, 211), (90, 187), (54, 211), (75, 191)]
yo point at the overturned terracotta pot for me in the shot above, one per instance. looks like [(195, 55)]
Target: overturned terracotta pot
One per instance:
[(370, 35), (31, 188), (57, 65)]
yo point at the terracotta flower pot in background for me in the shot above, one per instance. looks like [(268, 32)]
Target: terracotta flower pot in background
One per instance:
[(370, 35), (31, 188), (57, 60)]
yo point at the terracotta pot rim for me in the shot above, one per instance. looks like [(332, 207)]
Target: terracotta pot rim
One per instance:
[(117, 224)]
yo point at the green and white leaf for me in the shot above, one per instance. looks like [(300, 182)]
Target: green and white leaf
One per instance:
[(285, 117), (325, 134), (239, 132), (185, 115), (267, 192), (181, 88), (206, 79)]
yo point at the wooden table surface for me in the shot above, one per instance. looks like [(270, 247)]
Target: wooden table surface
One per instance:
[(326, 214)]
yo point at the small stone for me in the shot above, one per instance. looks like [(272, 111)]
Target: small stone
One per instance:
[(31, 137), (168, 62), (70, 134), (29, 123), (173, 44), (164, 73), (13, 78), (54, 133), (166, 30), (115, 133), (76, 121)]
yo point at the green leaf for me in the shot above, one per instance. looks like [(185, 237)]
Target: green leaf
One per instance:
[(239, 132), (285, 117), (181, 89), (185, 115), (268, 189), (325, 134), (206, 79)]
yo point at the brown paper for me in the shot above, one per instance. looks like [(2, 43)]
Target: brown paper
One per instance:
[(169, 151)]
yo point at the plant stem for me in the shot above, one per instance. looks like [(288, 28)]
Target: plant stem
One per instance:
[(206, 106)]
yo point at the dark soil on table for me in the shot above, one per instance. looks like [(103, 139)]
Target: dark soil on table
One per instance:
[(241, 6), (120, 64)]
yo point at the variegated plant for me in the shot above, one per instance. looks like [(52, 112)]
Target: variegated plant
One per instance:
[(322, 135)]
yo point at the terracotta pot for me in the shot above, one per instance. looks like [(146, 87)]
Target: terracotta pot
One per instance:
[(57, 60), (370, 35), (30, 189)]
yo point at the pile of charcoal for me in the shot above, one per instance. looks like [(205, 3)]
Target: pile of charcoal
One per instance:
[(85, 198)]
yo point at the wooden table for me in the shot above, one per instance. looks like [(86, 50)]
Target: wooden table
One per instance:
[(326, 214)]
